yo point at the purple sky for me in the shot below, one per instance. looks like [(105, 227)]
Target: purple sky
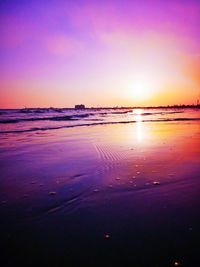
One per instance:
[(59, 53)]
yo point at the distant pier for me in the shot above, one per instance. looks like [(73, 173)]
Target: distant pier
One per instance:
[(81, 106)]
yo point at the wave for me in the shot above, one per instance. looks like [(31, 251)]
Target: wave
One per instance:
[(79, 116), (159, 113), (58, 118), (120, 112), (40, 110), (53, 118), (97, 123)]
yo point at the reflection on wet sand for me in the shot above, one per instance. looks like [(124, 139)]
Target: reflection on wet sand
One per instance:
[(118, 184)]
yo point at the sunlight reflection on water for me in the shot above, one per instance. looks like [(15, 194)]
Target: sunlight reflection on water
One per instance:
[(139, 126)]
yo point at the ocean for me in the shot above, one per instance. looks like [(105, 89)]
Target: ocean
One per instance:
[(41, 119)]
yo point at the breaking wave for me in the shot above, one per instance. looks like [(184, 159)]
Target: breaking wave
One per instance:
[(97, 123)]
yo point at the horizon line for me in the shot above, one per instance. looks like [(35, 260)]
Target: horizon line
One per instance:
[(114, 107)]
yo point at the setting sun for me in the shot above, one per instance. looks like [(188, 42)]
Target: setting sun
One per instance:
[(141, 91), (142, 88)]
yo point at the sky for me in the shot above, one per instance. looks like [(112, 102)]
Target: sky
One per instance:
[(99, 53)]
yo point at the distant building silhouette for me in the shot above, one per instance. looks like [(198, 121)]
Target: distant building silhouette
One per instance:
[(81, 106)]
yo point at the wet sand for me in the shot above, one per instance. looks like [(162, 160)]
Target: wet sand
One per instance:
[(106, 195)]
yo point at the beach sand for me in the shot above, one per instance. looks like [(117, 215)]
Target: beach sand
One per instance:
[(107, 195)]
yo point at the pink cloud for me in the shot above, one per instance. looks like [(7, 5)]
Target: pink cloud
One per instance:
[(61, 45), (13, 31), (172, 18), (95, 18)]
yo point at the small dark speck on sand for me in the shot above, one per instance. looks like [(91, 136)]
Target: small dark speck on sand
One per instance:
[(96, 190), (177, 263), (156, 183), (106, 236), (52, 193)]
